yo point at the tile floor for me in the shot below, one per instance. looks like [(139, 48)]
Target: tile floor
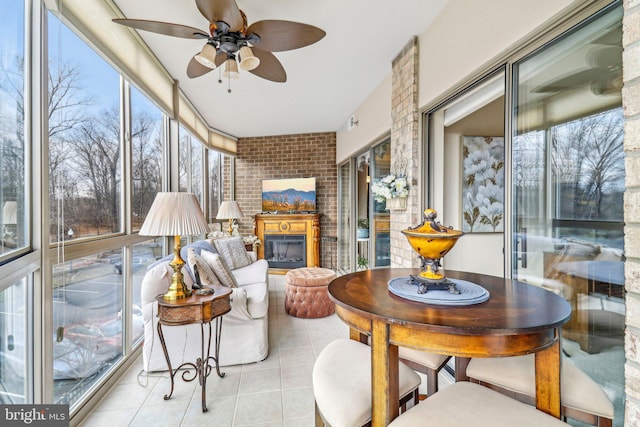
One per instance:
[(276, 392)]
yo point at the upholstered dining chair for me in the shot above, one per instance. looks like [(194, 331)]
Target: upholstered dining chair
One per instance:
[(468, 404), (429, 364), (342, 384), (581, 398)]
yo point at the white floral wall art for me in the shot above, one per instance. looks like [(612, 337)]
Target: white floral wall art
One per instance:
[(482, 184)]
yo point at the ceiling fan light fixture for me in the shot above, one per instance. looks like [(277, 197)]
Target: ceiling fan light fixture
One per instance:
[(207, 56), (248, 61), (231, 69)]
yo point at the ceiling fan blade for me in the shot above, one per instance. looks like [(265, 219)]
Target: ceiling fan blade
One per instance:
[(196, 69), (221, 10), (277, 36), (166, 28), (270, 67)]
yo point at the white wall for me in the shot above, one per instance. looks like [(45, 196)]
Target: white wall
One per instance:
[(468, 34), (374, 120)]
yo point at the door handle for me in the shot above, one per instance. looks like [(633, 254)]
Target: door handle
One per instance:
[(523, 247)]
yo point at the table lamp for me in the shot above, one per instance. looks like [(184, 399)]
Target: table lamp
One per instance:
[(229, 210), (175, 214)]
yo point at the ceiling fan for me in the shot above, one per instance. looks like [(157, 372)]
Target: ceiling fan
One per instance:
[(603, 72), (230, 40)]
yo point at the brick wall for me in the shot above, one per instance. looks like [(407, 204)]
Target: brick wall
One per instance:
[(631, 106), (288, 156), (405, 146)]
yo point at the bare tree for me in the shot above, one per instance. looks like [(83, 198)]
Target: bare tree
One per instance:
[(146, 146), (588, 164), (66, 112), (96, 152)]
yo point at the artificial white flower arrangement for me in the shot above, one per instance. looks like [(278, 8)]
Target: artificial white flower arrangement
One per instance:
[(389, 187)]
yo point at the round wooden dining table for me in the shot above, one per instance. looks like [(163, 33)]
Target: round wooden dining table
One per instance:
[(517, 319)]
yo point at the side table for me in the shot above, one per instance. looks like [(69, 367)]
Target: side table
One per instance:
[(200, 309)]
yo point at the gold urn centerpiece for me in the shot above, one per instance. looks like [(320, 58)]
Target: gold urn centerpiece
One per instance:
[(432, 241)]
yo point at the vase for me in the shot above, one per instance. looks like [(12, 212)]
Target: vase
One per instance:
[(362, 233), (396, 203)]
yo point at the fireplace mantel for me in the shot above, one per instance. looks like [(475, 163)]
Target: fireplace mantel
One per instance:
[(307, 225)]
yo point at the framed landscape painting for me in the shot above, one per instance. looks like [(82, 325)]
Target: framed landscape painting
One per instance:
[(289, 195), (482, 184)]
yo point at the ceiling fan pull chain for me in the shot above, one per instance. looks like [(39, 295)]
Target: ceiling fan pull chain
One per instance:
[(220, 75), (229, 80)]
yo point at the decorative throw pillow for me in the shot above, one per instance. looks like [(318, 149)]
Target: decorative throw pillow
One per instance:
[(199, 245), (220, 269), (232, 251), (207, 276)]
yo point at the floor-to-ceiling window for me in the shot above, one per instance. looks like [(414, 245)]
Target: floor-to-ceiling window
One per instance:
[(12, 132), (568, 186), (15, 331), (197, 172), (85, 153), (215, 182), (85, 201), (146, 180), (184, 164), (146, 156), (190, 168), (70, 289)]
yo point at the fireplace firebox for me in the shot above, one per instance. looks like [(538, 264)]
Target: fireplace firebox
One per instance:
[(285, 251), (288, 240)]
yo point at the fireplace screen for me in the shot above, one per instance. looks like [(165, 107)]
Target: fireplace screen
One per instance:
[(285, 251)]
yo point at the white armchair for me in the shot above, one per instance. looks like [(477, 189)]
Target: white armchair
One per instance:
[(244, 329)]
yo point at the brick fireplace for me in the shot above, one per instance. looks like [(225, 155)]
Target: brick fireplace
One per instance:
[(288, 156), (289, 240)]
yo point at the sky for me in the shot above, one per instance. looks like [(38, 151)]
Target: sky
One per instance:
[(98, 79)]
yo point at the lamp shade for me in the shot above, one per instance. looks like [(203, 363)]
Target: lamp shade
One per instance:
[(248, 61), (174, 214), (231, 69), (10, 213), (229, 210), (207, 56)]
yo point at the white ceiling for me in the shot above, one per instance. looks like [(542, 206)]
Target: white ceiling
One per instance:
[(326, 81)]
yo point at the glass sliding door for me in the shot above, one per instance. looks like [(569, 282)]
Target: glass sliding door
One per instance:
[(344, 218), (380, 231), (363, 231), (466, 178), (373, 245), (568, 186)]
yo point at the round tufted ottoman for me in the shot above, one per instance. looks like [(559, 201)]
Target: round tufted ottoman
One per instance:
[(305, 292)]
